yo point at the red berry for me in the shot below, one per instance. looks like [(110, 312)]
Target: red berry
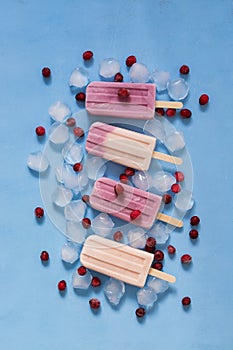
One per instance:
[(70, 122), (78, 132), (158, 255), (179, 176), (61, 285), (130, 60), (129, 171), (135, 214), (118, 236), (46, 72), (44, 256), (170, 249), (81, 96), (123, 178), (85, 198), (77, 167), (39, 212), (86, 222), (40, 131), (193, 234), (186, 259), (184, 69), (203, 99), (157, 265), (118, 77), (185, 113), (140, 312), (94, 303), (123, 93), (87, 55), (159, 112), (119, 189), (176, 188), (194, 221), (82, 270), (186, 301), (151, 242), (170, 112), (95, 282), (167, 198)]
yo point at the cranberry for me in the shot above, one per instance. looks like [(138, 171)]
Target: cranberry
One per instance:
[(140, 312), (167, 198), (94, 303), (70, 122), (130, 60), (159, 112), (118, 77), (129, 171), (158, 255), (39, 212), (170, 112), (86, 222), (179, 176), (61, 285), (185, 113), (78, 132), (184, 69), (85, 198), (44, 256), (46, 72), (123, 93), (194, 221), (119, 189), (82, 270), (118, 236), (193, 234), (176, 188), (151, 242), (157, 265), (186, 259), (77, 167), (81, 96), (170, 249), (186, 301), (123, 178), (87, 55), (95, 282), (203, 99), (135, 214), (40, 131)]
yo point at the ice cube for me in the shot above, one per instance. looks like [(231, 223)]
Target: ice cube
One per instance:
[(102, 224), (82, 282), (62, 196), (139, 73), (69, 252), (160, 232), (75, 231), (95, 167), (109, 67), (58, 133), (114, 290), (160, 78), (146, 297), (155, 127), (175, 141), (79, 78), (37, 161), (142, 180), (68, 177), (158, 285), (178, 89), (59, 111), (163, 181), (137, 237), (75, 210), (72, 153), (184, 200)]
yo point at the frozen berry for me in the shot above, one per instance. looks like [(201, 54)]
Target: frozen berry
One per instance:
[(158, 255), (186, 259), (86, 222), (170, 249), (94, 303), (193, 234), (61, 285), (194, 221), (118, 235), (77, 167), (70, 122), (85, 198), (203, 99), (151, 242), (119, 189), (130, 60), (123, 178), (95, 282), (118, 77), (87, 55), (179, 176), (82, 270), (80, 96), (184, 69), (167, 198), (135, 214), (39, 212), (129, 171), (185, 113), (159, 112), (170, 112), (123, 93), (78, 132), (40, 131), (157, 265), (186, 301), (44, 256), (140, 312), (46, 72), (176, 188)]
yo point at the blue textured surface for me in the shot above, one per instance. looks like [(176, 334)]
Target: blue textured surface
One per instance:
[(162, 34)]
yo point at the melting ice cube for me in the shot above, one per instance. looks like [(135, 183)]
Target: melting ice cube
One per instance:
[(72, 153), (75, 210), (37, 161), (59, 111), (160, 78), (160, 232), (163, 181), (155, 127), (102, 224), (95, 167), (146, 297), (79, 78), (114, 290), (75, 231), (158, 285), (82, 282), (184, 200), (137, 237), (175, 141), (69, 253), (58, 133), (139, 73), (61, 196), (142, 180), (178, 89), (109, 67)]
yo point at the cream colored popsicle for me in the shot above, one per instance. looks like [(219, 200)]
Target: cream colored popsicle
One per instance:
[(120, 261), (124, 147), (102, 99)]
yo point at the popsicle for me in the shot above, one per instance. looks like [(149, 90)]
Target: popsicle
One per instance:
[(125, 147), (102, 98), (120, 261), (104, 198)]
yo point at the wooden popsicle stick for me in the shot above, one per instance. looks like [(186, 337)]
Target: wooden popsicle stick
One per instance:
[(167, 158), (170, 220), (162, 275), (168, 104)]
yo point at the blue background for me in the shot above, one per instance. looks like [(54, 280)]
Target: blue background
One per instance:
[(162, 34)]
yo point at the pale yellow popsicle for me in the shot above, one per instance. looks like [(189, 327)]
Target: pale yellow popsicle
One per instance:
[(120, 261)]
